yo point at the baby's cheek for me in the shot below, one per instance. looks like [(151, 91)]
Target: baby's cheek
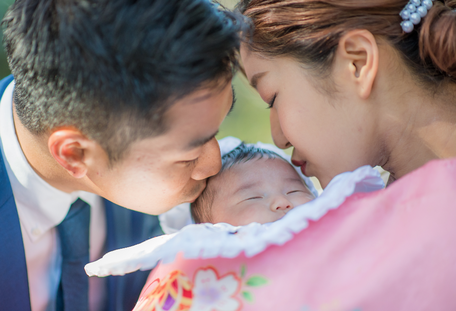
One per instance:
[(302, 199), (260, 213), (247, 214)]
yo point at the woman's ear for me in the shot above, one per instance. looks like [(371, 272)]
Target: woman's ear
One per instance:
[(69, 148), (358, 51)]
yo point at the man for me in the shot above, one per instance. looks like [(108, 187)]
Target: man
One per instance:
[(113, 99)]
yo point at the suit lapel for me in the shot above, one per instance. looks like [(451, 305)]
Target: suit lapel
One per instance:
[(14, 291)]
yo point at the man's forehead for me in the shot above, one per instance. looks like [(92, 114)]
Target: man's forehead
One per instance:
[(215, 100), (206, 91)]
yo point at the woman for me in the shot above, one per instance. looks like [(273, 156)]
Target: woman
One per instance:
[(349, 83)]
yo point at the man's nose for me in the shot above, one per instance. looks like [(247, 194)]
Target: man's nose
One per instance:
[(276, 131), (209, 162), (280, 203)]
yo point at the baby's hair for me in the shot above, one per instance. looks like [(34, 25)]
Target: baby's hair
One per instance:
[(201, 208)]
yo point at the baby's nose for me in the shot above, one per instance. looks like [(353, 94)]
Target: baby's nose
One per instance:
[(281, 204)]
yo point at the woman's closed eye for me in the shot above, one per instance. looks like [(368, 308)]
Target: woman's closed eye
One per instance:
[(271, 102)]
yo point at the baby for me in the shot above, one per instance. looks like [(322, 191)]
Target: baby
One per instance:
[(254, 185)]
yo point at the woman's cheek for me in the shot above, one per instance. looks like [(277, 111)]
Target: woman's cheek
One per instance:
[(278, 137), (289, 127)]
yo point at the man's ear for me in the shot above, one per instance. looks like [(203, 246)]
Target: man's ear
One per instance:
[(358, 51), (69, 148)]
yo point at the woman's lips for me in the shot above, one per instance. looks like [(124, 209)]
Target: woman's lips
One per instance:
[(301, 164), (303, 168)]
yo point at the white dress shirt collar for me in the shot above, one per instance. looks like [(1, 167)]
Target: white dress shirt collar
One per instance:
[(40, 206)]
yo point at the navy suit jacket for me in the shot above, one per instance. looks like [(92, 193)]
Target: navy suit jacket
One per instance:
[(124, 228)]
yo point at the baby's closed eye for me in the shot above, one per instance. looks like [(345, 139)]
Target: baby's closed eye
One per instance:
[(295, 191), (254, 198)]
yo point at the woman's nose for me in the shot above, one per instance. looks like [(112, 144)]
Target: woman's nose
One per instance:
[(276, 130), (209, 161), (281, 203)]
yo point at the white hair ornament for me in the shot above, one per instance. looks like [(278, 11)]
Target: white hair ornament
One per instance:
[(413, 12)]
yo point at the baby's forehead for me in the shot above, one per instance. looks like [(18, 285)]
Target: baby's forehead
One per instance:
[(264, 169)]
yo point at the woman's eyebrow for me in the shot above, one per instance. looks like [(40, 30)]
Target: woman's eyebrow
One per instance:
[(234, 100), (256, 78)]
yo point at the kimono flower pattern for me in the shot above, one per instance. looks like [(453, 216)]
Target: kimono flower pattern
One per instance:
[(174, 293), (208, 292), (211, 292)]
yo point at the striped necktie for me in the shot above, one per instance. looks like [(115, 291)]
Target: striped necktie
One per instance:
[(73, 291)]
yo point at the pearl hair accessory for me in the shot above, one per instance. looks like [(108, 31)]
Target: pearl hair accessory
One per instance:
[(413, 12)]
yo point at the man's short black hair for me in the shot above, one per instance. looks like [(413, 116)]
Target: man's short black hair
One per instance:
[(111, 68), (201, 208)]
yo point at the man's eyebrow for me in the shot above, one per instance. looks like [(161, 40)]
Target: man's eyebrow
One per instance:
[(256, 77), (200, 141)]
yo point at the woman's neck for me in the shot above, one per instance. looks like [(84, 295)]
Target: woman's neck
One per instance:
[(418, 128)]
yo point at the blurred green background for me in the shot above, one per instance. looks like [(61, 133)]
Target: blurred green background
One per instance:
[(248, 121)]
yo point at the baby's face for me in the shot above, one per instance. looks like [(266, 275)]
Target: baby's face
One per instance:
[(260, 190)]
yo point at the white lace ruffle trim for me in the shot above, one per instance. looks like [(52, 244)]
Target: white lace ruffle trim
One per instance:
[(223, 240)]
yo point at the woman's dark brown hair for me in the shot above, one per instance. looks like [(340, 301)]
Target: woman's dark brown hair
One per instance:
[(309, 31)]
